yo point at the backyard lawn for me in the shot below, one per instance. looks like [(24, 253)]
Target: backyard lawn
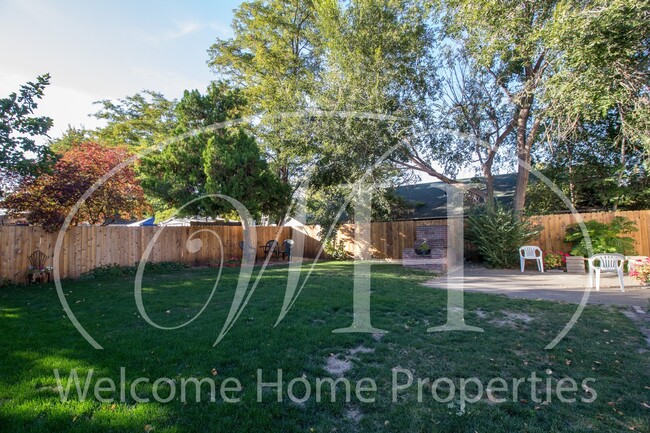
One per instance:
[(37, 338)]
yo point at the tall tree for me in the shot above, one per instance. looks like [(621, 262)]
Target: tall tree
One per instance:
[(137, 121), (273, 59), (473, 120), (226, 161), (21, 153), (602, 71), (379, 59), (506, 38), (70, 138), (48, 198)]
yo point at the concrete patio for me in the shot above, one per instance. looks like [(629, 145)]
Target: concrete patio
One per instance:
[(554, 286)]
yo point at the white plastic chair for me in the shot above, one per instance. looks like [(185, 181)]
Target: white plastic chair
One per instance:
[(606, 263), (531, 252)]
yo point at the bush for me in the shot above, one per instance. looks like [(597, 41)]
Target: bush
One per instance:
[(335, 250), (497, 234), (115, 270), (555, 260), (605, 238)]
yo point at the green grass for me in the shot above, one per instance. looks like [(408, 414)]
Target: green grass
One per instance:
[(37, 338)]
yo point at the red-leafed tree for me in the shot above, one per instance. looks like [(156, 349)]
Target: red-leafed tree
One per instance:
[(50, 197)]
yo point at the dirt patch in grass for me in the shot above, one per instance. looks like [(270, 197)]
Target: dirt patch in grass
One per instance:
[(360, 349), (339, 364), (353, 414), (512, 319), (336, 366), (480, 313), (641, 319)]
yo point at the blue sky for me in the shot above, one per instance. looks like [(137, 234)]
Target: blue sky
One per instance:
[(107, 49)]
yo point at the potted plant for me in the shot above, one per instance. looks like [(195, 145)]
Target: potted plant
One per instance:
[(423, 249), (555, 261), (603, 237)]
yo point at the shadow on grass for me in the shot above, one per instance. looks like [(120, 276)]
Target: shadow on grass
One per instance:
[(38, 338)]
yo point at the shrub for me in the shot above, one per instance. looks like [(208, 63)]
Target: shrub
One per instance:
[(605, 238), (555, 260), (115, 270), (497, 233), (335, 250)]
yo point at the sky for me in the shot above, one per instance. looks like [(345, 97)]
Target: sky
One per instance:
[(97, 50)]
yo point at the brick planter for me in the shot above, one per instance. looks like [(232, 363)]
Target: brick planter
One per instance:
[(435, 261), (575, 265), (436, 239)]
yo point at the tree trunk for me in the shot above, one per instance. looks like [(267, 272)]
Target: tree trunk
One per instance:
[(489, 184), (523, 155), (619, 180)]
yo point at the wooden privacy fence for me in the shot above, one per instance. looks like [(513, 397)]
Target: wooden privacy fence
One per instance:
[(552, 237), (85, 248), (388, 239)]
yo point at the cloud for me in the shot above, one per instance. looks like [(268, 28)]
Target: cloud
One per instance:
[(180, 30), (184, 29)]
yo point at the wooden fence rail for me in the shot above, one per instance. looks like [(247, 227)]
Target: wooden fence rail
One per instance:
[(85, 248)]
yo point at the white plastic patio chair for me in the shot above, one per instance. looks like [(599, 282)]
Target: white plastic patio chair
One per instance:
[(606, 263), (531, 252)]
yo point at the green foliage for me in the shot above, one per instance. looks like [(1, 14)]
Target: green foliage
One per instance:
[(605, 238), (587, 168), (138, 121), (603, 65), (423, 248), (554, 260), (115, 270), (20, 153), (497, 233), (273, 58), (335, 250), (227, 161), (70, 138)]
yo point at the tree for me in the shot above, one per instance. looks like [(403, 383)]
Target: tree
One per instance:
[(20, 153), (362, 56), (473, 121), (137, 121), (602, 71), (70, 138), (273, 59), (586, 167), (506, 38), (226, 161), (49, 198)]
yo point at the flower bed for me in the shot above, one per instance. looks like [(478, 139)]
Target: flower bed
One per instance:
[(641, 271)]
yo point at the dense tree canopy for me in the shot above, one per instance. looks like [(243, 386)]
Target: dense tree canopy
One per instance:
[(222, 161), (48, 198), (21, 153), (272, 59), (461, 85)]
